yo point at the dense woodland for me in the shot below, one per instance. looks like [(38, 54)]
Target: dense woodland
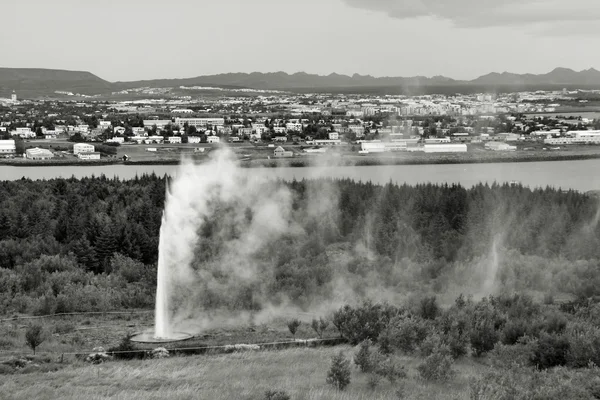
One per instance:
[(92, 244)]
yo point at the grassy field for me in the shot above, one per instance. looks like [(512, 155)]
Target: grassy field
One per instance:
[(299, 372)]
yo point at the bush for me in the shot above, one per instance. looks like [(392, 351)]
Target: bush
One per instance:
[(363, 357), (319, 326), (126, 350), (584, 345), (485, 326), (404, 333), (293, 326), (365, 322), (428, 308), (339, 372), (6, 369), (276, 395), (438, 366), (519, 354), (513, 331), (34, 336), (551, 351)]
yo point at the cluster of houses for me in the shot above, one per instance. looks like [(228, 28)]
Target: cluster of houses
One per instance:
[(83, 151)]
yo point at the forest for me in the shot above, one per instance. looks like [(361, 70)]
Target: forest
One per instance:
[(92, 244)]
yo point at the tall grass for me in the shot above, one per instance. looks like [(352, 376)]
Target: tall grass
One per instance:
[(299, 372)]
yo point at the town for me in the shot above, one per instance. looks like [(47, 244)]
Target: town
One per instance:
[(274, 124)]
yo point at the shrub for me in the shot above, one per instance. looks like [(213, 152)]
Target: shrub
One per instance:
[(339, 372), (388, 369), (276, 395), (126, 350), (519, 354), (405, 334), (584, 345), (551, 351), (555, 323), (438, 366), (513, 331), (428, 308), (363, 357), (373, 380), (485, 326), (293, 326), (6, 369), (64, 327), (364, 322), (34, 336), (319, 326)]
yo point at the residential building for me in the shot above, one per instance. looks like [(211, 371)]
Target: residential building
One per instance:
[(88, 156), (175, 139), (246, 132), (281, 153), (7, 148), (38, 154), (24, 133), (327, 142), (499, 146), (83, 148), (160, 123), (200, 122), (282, 139), (213, 139), (116, 139), (194, 139), (334, 136), (445, 148)]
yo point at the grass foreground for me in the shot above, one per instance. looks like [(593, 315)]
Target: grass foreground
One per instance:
[(248, 375)]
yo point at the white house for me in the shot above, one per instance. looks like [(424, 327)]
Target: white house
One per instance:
[(83, 128), (89, 156), (119, 130), (138, 131), (160, 123), (281, 153), (282, 139), (445, 148), (334, 136), (213, 139), (200, 122), (175, 139), (499, 146), (25, 133), (7, 148), (194, 139), (116, 139), (83, 148), (38, 154)]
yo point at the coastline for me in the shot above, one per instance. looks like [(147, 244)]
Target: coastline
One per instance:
[(344, 161)]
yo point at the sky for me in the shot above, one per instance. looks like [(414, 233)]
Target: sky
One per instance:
[(123, 40)]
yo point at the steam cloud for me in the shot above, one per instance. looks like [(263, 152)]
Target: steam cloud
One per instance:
[(225, 230)]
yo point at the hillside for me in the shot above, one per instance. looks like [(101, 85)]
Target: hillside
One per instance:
[(34, 82), (31, 82)]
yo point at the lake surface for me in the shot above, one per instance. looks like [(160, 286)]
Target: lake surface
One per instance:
[(580, 175)]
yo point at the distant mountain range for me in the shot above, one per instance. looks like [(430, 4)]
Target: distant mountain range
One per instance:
[(33, 82)]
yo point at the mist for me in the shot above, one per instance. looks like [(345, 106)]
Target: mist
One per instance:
[(243, 247)]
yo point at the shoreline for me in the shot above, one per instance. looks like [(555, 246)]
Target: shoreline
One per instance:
[(343, 161)]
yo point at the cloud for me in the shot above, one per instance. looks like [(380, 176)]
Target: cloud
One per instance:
[(486, 13)]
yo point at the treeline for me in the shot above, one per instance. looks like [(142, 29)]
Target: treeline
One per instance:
[(92, 244)]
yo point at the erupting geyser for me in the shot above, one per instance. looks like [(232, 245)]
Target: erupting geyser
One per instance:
[(167, 255), (162, 322)]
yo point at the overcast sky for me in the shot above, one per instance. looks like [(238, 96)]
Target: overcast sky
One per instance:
[(146, 39)]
